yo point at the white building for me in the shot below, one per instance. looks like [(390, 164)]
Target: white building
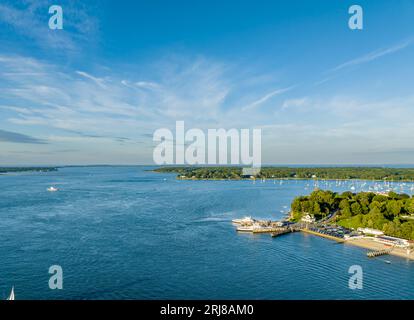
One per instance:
[(308, 218), (373, 232), (398, 242)]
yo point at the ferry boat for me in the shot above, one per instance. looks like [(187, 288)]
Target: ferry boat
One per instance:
[(249, 228), (245, 220), (255, 228), (245, 228)]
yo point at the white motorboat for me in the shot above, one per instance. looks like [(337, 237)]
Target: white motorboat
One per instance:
[(252, 228), (52, 189), (245, 220)]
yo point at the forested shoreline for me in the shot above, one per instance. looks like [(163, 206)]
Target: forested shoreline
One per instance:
[(393, 213), (343, 173), (26, 169)]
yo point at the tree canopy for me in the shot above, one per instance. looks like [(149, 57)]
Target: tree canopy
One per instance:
[(229, 172), (393, 214)]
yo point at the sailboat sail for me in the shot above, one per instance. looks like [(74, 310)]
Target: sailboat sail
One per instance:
[(11, 297)]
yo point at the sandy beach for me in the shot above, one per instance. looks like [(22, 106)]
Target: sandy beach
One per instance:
[(373, 245), (367, 244)]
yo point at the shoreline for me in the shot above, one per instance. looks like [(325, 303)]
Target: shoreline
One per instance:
[(339, 240), (374, 246), (288, 179), (366, 244), (316, 173)]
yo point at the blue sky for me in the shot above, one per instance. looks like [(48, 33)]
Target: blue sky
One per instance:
[(96, 91)]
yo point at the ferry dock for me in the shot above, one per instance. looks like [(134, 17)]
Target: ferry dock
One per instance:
[(282, 231)]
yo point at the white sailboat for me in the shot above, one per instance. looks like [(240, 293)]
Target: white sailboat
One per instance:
[(11, 296)]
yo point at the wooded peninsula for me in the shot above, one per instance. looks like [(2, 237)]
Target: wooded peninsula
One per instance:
[(236, 173), (26, 169)]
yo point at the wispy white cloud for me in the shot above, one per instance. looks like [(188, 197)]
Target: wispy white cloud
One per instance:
[(29, 19), (373, 55), (192, 90), (147, 85), (294, 103), (99, 81), (265, 98), (369, 57)]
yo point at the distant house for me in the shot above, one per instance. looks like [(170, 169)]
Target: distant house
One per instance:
[(307, 218), (250, 172), (382, 193), (369, 231)]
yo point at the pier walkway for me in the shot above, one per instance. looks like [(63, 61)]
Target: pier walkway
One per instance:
[(377, 253)]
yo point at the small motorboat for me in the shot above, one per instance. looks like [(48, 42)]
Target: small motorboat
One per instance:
[(52, 189)]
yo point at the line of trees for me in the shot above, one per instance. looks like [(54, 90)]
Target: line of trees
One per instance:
[(26, 169), (363, 173)]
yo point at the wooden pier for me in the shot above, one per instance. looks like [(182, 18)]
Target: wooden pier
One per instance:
[(265, 230), (327, 236), (377, 253), (282, 231)]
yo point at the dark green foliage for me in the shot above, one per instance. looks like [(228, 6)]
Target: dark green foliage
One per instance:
[(319, 203), (391, 214), (366, 173), (26, 169)]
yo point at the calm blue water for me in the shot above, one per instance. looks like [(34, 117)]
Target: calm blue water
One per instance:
[(124, 233)]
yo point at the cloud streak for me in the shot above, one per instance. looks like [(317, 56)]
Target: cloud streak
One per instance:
[(100, 82), (29, 19), (14, 137), (373, 55), (265, 98)]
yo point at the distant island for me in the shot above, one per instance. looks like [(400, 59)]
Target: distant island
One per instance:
[(391, 213), (26, 169), (236, 173)]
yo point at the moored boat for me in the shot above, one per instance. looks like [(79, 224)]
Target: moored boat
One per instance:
[(245, 220)]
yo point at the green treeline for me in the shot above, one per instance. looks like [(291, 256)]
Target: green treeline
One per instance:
[(205, 173), (26, 169), (393, 214), (364, 173)]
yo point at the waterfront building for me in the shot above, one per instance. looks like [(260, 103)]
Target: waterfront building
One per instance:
[(369, 231), (307, 218), (398, 242)]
